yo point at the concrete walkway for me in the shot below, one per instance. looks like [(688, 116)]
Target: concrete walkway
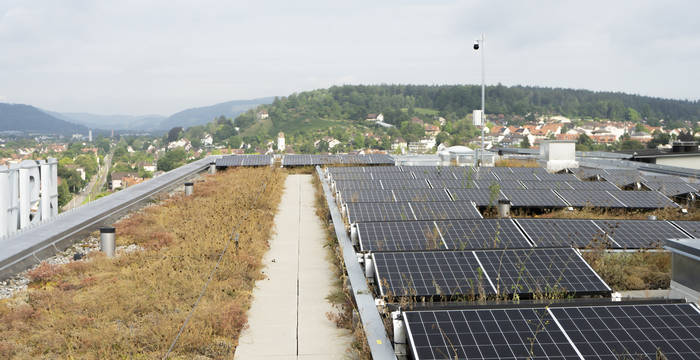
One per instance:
[(288, 316)]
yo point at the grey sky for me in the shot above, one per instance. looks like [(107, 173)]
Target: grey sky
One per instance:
[(144, 57)]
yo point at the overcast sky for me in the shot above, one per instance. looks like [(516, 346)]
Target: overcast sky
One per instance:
[(159, 57)]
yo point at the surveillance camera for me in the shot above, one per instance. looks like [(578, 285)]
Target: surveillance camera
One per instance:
[(476, 44)]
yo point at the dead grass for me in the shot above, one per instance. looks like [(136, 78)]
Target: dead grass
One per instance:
[(641, 270), (133, 305), (622, 214), (340, 297), (530, 163)]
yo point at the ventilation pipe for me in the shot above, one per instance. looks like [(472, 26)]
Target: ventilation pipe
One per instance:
[(369, 268), (107, 241), (212, 168), (503, 208), (651, 217), (189, 188), (399, 334), (353, 234)]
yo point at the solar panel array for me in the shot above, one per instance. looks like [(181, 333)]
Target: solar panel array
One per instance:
[(534, 198), (592, 198), (639, 233), (422, 195), (644, 199), (670, 188), (454, 210), (314, 160), (482, 197), (620, 331), (690, 227), (244, 160), (482, 234), (564, 232), (399, 236), (408, 211), (459, 273)]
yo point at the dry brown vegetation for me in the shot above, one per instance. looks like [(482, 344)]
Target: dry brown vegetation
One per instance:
[(622, 214), (642, 270), (531, 163), (134, 305), (340, 297)]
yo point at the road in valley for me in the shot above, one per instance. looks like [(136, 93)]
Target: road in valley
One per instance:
[(94, 187)]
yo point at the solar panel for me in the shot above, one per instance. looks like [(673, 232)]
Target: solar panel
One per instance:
[(482, 234), (583, 198), (632, 331), (476, 175), (638, 234), (556, 177), (643, 199), (349, 196), (691, 227), (364, 212), (545, 272), (452, 184), (399, 236), (357, 185), (547, 185), (662, 178), (351, 176), (445, 210), (592, 185), (244, 160), (502, 184), (344, 169), (563, 232), (436, 174), (670, 188), (421, 195), (520, 175), (392, 175), (621, 180), (604, 332), (482, 197), (296, 160), (486, 334), (534, 198), (468, 172), (404, 184), (429, 273)]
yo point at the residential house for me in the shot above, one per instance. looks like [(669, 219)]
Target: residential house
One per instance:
[(375, 117), (417, 120), (150, 167), (77, 168), (332, 142), (422, 146), (431, 130), (123, 180), (399, 144), (183, 143), (262, 114), (207, 140)]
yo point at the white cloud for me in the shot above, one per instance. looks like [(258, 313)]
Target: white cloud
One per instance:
[(163, 56)]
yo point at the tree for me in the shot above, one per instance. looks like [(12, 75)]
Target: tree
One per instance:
[(64, 195), (659, 139), (525, 144), (172, 159), (174, 134), (631, 145)]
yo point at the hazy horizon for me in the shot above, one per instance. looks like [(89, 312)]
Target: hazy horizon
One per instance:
[(158, 58)]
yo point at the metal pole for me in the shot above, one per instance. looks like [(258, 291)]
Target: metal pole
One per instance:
[(483, 95), (107, 241)]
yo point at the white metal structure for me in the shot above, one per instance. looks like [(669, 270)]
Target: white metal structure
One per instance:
[(479, 46), (28, 194)]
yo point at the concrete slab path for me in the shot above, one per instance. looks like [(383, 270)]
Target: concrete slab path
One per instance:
[(287, 319)]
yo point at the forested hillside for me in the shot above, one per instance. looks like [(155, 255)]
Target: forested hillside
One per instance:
[(355, 102)]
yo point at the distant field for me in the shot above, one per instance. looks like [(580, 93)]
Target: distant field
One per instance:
[(134, 305), (423, 111)]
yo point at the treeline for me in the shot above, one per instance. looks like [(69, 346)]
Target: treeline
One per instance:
[(354, 102)]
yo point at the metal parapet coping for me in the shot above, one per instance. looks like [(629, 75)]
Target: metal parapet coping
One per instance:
[(20, 251), (377, 338)]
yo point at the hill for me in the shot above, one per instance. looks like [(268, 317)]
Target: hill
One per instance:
[(108, 122), (28, 119), (205, 114), (340, 112)]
